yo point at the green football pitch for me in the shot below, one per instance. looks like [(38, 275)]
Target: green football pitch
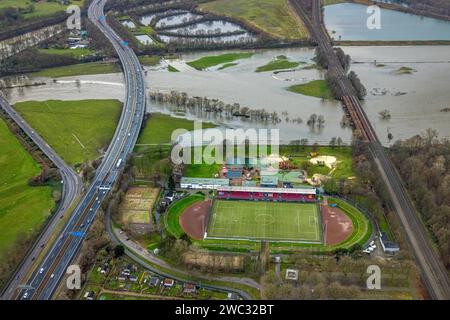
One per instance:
[(273, 221)]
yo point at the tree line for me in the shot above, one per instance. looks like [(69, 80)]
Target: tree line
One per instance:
[(424, 163)]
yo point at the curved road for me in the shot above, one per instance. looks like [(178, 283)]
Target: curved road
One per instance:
[(48, 274), (72, 186)]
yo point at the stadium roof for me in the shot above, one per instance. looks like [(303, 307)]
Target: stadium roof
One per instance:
[(269, 180), (250, 183), (269, 190), (204, 181)]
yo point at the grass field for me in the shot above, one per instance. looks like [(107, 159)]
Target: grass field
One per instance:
[(81, 69), (77, 130), (22, 208), (316, 88), (149, 61), (298, 222), (211, 61), (41, 8), (74, 53), (343, 154), (273, 17), (279, 63), (160, 127)]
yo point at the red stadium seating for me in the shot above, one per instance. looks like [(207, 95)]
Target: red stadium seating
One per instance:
[(266, 196)]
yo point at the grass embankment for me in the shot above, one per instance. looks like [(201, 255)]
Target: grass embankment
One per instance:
[(172, 219), (81, 69), (273, 17), (316, 88), (211, 61), (41, 8), (22, 208), (279, 63), (77, 130), (172, 68)]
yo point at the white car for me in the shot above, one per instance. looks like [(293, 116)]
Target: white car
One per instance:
[(367, 251), (52, 276), (25, 295), (41, 270), (372, 243)]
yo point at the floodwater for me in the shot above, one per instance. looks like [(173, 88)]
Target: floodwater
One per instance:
[(144, 39), (145, 20), (348, 21), (129, 24), (414, 100), (177, 19), (244, 38), (216, 26)]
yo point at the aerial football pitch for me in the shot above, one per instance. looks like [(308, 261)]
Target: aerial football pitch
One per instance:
[(272, 221)]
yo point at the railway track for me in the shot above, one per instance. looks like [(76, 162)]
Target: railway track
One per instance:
[(433, 272)]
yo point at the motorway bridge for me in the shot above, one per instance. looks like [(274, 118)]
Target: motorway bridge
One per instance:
[(48, 274)]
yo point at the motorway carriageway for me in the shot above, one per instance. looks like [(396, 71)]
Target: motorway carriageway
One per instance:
[(46, 277)]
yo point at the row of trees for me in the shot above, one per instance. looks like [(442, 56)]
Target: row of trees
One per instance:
[(198, 105), (424, 164)]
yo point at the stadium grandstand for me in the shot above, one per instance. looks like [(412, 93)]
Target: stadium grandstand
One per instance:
[(267, 194)]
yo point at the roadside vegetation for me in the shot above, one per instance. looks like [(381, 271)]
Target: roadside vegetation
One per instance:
[(272, 17), (211, 61), (316, 88), (23, 208), (77, 130), (279, 63)]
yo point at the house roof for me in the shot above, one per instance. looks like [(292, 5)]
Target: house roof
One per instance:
[(234, 174), (387, 243)]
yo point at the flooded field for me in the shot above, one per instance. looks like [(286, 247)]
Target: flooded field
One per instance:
[(415, 99)]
